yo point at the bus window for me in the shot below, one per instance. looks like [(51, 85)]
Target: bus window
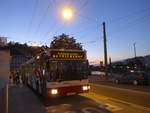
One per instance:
[(68, 70)]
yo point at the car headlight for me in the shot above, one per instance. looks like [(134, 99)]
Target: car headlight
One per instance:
[(54, 91)]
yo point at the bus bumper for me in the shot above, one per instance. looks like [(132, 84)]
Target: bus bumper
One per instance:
[(66, 91)]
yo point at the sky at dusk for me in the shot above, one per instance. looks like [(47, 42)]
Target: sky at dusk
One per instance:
[(127, 22)]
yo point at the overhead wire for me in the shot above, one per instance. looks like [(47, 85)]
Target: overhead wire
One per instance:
[(120, 18), (54, 4), (129, 15), (133, 24), (32, 16), (61, 27), (50, 2), (43, 17), (112, 21), (116, 19), (81, 8)]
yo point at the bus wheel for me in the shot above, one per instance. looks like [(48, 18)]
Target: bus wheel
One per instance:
[(46, 101), (37, 88)]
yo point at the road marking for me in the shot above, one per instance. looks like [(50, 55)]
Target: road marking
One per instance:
[(123, 89), (62, 109), (131, 104), (110, 107), (88, 109), (57, 108), (53, 110), (103, 106), (97, 97), (107, 106), (70, 112), (93, 94)]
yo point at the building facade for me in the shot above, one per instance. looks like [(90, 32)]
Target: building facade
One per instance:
[(16, 61), (3, 41)]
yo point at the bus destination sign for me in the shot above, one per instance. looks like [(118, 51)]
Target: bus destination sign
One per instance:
[(68, 55)]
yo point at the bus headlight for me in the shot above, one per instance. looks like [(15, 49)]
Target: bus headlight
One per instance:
[(89, 87), (85, 87), (54, 91)]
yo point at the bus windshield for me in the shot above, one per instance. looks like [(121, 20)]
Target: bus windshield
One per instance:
[(67, 70)]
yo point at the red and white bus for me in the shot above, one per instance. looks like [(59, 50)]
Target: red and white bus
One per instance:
[(57, 72)]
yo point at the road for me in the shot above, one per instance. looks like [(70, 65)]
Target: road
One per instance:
[(143, 88), (101, 99), (97, 80), (23, 100)]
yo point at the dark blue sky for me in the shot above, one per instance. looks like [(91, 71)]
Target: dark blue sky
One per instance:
[(127, 21)]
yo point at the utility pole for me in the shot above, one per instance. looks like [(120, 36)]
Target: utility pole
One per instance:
[(134, 45), (110, 65), (105, 51), (135, 61)]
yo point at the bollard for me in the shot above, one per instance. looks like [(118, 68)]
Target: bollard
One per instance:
[(3, 96), (7, 98)]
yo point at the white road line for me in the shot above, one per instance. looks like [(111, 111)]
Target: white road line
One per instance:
[(87, 109), (113, 107)]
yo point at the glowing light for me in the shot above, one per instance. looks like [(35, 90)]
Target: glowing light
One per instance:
[(85, 87), (54, 91), (67, 13), (37, 57), (132, 71)]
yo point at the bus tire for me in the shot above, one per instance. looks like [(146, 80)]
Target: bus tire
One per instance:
[(39, 89)]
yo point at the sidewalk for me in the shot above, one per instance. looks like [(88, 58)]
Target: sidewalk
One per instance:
[(23, 100)]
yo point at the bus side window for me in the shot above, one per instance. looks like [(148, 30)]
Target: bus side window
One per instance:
[(43, 72), (47, 66)]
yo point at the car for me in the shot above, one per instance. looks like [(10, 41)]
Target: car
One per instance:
[(135, 78)]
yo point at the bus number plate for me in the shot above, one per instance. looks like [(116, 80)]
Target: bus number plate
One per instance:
[(72, 93)]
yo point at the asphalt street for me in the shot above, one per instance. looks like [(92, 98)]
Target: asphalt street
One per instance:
[(97, 80), (125, 95), (23, 100)]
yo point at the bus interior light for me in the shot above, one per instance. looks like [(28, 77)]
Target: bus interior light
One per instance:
[(54, 91)]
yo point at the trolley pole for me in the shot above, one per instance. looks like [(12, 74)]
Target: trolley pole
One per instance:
[(105, 51)]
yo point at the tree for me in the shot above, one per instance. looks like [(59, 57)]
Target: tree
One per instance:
[(22, 49), (65, 42)]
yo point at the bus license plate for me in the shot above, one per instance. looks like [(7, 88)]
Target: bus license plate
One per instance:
[(73, 93)]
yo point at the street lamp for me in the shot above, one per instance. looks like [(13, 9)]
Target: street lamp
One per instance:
[(67, 13)]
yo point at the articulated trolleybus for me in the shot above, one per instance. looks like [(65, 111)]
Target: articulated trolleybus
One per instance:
[(57, 72)]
